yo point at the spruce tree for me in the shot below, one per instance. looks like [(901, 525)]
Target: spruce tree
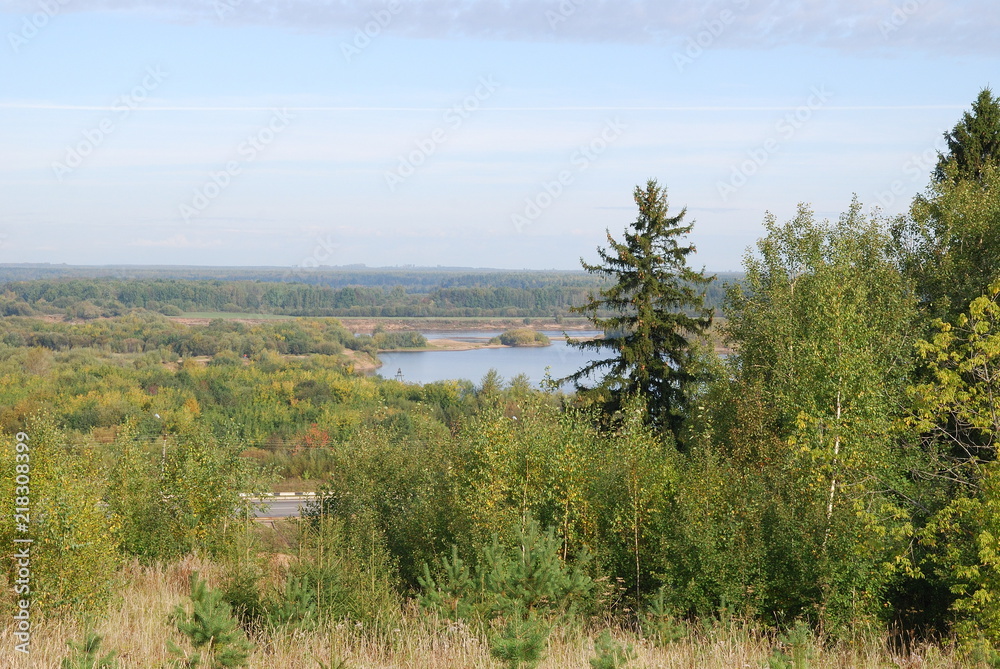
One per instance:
[(974, 142), (949, 245), (649, 314)]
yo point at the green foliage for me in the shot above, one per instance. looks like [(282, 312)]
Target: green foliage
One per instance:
[(611, 654), (397, 485), (241, 586), (380, 293), (822, 330), (135, 500), (213, 634), (636, 484), (295, 607), (955, 406), (532, 576), (949, 246), (87, 654), (974, 142), (795, 648), (451, 594), (140, 332), (955, 410), (521, 640), (521, 337), (394, 340), (652, 295), (515, 593), (782, 489), (344, 572), (74, 554), (981, 653), (183, 500), (658, 622)]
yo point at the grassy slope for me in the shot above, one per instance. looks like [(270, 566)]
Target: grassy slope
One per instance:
[(136, 627)]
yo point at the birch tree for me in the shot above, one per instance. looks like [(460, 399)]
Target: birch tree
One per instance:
[(821, 328)]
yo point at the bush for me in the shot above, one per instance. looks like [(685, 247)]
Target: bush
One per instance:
[(74, 556), (521, 337), (391, 340), (225, 359)]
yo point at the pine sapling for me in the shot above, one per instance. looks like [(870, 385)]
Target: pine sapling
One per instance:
[(215, 636), (521, 642), (659, 624), (611, 654), (86, 655)]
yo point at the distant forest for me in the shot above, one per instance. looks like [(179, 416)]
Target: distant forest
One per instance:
[(88, 292)]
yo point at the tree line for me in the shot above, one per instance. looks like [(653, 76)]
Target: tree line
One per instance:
[(495, 295)]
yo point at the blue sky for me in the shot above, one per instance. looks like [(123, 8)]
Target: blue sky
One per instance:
[(461, 132)]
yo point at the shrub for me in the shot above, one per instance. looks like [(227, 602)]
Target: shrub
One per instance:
[(74, 555), (521, 337)]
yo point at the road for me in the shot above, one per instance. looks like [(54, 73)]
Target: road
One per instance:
[(280, 507)]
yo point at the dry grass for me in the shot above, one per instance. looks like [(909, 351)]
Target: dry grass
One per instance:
[(136, 627)]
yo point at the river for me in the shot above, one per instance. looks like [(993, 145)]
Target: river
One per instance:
[(430, 366)]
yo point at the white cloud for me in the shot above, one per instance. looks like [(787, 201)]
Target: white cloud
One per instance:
[(849, 25)]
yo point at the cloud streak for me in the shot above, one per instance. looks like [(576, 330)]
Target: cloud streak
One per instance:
[(845, 25)]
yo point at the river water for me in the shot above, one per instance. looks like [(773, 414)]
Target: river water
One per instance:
[(429, 366)]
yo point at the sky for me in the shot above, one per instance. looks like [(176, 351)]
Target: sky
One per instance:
[(469, 133)]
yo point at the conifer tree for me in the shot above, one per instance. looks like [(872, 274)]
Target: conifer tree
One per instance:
[(974, 142), (215, 635), (87, 654), (650, 313)]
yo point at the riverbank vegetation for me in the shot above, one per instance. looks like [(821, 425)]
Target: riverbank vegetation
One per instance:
[(825, 496), (521, 337)]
